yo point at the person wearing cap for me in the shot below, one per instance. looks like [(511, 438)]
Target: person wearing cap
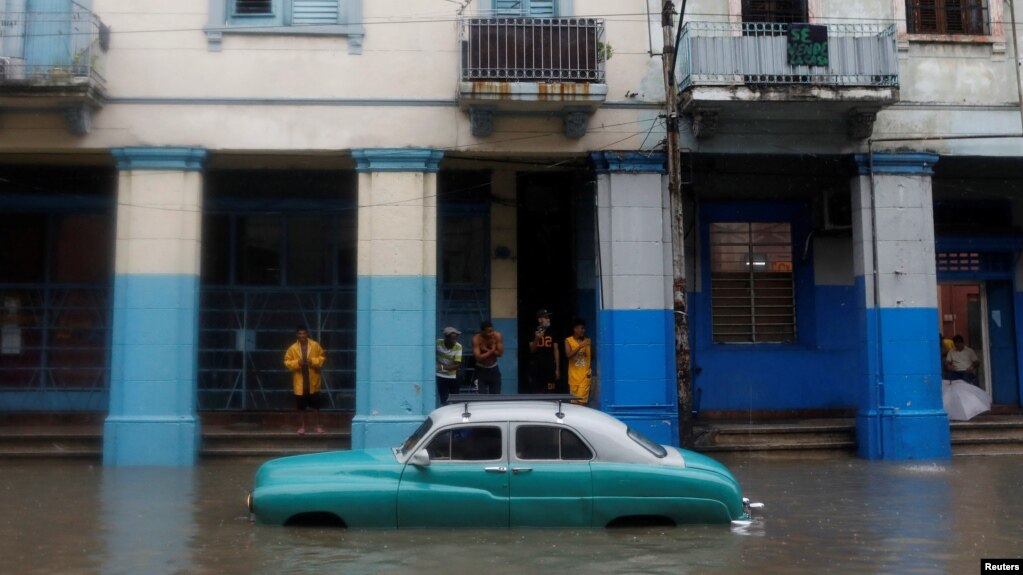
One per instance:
[(544, 369), (449, 358)]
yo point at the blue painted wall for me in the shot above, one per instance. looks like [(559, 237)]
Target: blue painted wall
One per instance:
[(636, 350), (152, 371), (818, 371), (394, 357)]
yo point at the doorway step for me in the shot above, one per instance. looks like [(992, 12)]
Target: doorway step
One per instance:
[(829, 437), (988, 435)]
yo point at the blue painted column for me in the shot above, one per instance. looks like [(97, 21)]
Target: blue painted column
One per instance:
[(900, 414), (635, 332), (152, 419), (397, 293)]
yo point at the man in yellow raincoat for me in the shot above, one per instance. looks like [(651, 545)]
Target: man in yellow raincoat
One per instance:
[(305, 360)]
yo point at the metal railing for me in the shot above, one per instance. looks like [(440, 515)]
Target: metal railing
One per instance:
[(53, 47), (533, 49), (726, 53)]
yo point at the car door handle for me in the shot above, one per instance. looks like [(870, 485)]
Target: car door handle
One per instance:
[(517, 470), (499, 469)]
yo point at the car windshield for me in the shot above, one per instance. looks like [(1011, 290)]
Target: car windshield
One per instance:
[(416, 436), (647, 443)]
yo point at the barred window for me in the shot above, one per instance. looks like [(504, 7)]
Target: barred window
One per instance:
[(752, 282), (947, 16), (785, 11)]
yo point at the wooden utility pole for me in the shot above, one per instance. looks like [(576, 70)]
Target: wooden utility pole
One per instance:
[(678, 257)]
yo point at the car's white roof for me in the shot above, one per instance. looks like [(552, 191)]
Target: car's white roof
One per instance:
[(606, 435)]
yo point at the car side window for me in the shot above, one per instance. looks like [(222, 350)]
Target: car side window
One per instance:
[(572, 447), (549, 443), (440, 447), (470, 443)]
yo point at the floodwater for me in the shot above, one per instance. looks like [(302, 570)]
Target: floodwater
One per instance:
[(821, 516)]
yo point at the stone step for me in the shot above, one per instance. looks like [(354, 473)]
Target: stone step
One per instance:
[(271, 443), (796, 437), (43, 444), (784, 438), (967, 430), (987, 448)]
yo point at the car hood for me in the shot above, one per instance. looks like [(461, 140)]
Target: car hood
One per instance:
[(314, 467), (694, 460)]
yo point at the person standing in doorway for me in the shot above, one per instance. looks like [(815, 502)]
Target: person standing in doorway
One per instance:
[(449, 359), (962, 362), (304, 359), (545, 368), (579, 355), (487, 348)]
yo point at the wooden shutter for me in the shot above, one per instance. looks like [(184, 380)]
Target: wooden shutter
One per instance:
[(305, 12), (543, 9), (510, 7), (774, 11), (531, 8)]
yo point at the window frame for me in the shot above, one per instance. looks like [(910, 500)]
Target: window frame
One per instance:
[(451, 429), (755, 280), (561, 429), (941, 12), (995, 27), (804, 17), (799, 217), (562, 9), (223, 20)]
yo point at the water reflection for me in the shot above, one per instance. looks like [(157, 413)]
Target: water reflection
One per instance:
[(835, 516), (147, 519)]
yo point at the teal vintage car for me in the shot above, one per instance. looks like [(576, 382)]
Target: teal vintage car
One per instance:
[(509, 462)]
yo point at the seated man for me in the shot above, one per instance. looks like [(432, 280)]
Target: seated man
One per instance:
[(962, 362)]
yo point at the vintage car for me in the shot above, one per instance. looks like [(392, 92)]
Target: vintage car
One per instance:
[(500, 461)]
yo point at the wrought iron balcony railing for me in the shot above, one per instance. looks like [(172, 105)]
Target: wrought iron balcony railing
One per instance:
[(53, 48), (533, 50), (726, 53)]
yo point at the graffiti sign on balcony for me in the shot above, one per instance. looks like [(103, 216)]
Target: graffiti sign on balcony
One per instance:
[(808, 45)]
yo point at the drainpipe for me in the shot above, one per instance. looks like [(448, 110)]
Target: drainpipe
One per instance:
[(1015, 61), (883, 410)]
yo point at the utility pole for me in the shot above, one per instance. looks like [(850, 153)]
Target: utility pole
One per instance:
[(678, 254)]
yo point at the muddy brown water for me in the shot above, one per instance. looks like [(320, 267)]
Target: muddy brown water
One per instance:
[(821, 516)]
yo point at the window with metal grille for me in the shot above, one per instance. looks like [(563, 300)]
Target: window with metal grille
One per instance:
[(947, 16), (787, 11), (752, 282)]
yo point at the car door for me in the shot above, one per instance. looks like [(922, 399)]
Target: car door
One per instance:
[(550, 477), (465, 483)]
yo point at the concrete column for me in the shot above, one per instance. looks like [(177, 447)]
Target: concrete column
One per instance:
[(504, 270), (900, 412), (397, 294), (152, 419), (635, 333)]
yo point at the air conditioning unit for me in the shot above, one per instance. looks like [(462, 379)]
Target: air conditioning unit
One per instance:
[(834, 211), (12, 68)]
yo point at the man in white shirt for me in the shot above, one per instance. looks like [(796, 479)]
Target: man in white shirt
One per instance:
[(962, 362), (449, 358)]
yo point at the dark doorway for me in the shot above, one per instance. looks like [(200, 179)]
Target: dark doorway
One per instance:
[(549, 236)]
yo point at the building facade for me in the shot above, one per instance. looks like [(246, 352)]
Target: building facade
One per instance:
[(182, 186)]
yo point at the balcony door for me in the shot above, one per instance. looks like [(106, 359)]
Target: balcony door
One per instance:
[(776, 11), (526, 8)]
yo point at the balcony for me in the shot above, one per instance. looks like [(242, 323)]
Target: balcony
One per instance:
[(54, 61), (532, 65), (741, 72)]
